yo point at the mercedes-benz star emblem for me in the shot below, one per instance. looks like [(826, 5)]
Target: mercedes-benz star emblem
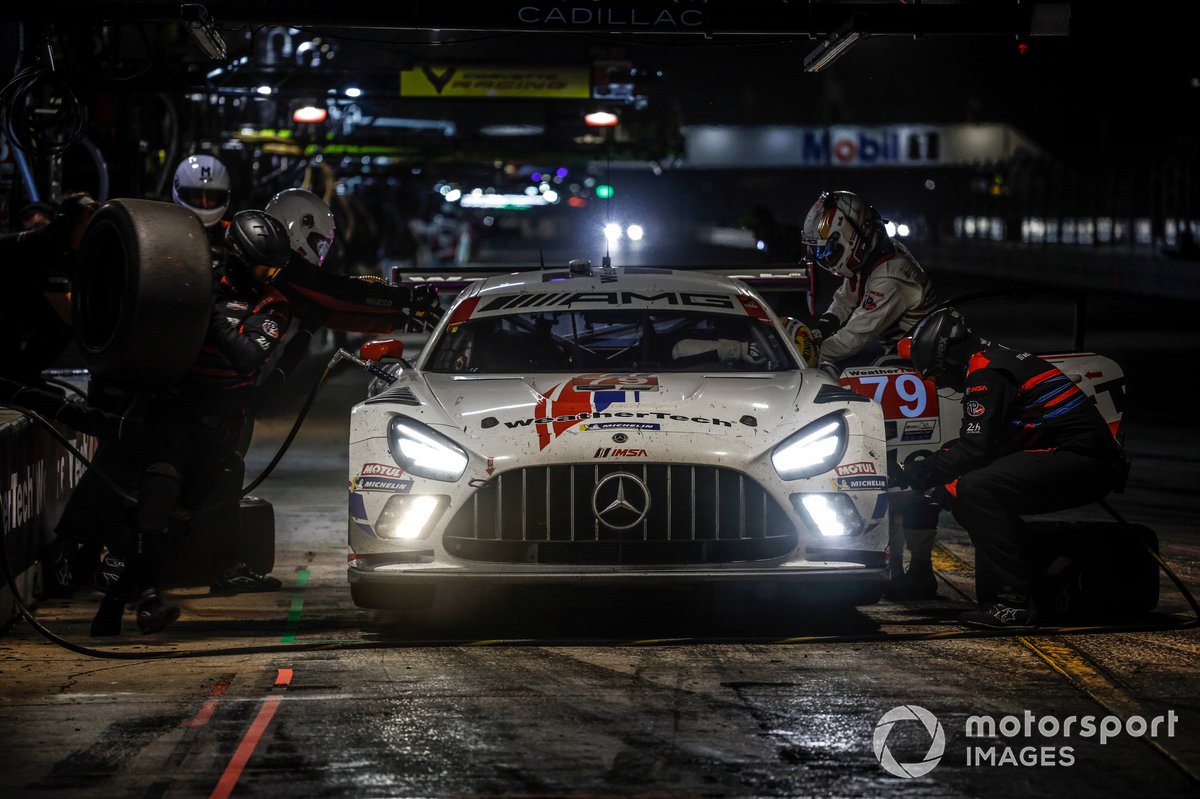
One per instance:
[(620, 501)]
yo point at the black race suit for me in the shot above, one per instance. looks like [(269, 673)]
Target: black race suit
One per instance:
[(1031, 442)]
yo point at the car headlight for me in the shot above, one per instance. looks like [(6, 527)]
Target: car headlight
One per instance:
[(812, 449), (832, 515), (424, 452)]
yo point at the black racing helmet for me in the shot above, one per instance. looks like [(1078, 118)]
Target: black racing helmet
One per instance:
[(257, 243), (940, 345)]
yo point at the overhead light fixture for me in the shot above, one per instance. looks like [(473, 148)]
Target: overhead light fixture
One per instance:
[(833, 47), (353, 91), (601, 119), (199, 23)]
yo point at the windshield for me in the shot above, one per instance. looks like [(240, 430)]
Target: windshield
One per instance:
[(610, 340)]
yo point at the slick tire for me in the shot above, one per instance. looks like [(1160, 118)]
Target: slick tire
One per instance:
[(142, 292)]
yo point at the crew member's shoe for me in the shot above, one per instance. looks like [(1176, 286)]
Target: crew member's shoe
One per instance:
[(241, 579), (153, 614), (107, 620), (1002, 616)]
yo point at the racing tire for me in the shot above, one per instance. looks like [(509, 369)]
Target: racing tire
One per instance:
[(142, 292)]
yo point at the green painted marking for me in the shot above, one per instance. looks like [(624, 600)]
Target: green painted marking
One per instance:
[(293, 618)]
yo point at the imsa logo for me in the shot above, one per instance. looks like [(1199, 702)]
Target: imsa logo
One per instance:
[(620, 452)]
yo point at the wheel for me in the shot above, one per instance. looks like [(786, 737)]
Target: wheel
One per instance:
[(143, 291)]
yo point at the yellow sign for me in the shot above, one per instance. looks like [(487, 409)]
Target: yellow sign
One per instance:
[(477, 81)]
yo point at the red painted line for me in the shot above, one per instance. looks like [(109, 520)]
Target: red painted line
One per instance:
[(210, 705), (246, 748)]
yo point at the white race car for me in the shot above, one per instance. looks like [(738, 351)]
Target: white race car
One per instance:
[(605, 425)]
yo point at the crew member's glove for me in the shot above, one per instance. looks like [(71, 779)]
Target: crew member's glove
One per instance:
[(825, 326)]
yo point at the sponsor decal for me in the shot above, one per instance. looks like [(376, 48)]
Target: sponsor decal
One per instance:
[(271, 328), (862, 483), (568, 299), (496, 81), (620, 452), (919, 430), (621, 426), (380, 470), (382, 484), (237, 305), (491, 466), (975, 409), (974, 428), (577, 400), (973, 389), (262, 343), (609, 382), (868, 303), (862, 467)]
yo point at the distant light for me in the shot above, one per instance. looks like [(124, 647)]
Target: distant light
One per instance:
[(309, 114), (265, 91), (601, 119), (353, 91), (635, 232), (577, 202), (760, 245), (561, 172), (612, 231), (536, 177), (514, 201), (930, 185), (453, 196), (604, 191), (531, 191), (890, 227), (902, 229), (511, 130), (551, 196)]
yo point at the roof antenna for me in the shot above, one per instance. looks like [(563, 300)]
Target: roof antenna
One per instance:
[(606, 262)]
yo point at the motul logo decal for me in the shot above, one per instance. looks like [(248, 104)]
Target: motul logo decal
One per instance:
[(381, 470)]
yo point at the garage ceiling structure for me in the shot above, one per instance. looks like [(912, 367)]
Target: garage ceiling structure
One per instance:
[(489, 77)]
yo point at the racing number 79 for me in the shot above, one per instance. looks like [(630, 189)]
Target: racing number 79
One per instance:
[(909, 389)]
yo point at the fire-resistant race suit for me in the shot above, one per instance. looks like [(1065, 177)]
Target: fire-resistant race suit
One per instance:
[(880, 303), (1031, 442)]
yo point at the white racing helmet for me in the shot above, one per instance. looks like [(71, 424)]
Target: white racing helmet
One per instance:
[(308, 220), (839, 231), (201, 185)]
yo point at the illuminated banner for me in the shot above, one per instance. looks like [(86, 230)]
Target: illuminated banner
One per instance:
[(733, 146), (485, 81)]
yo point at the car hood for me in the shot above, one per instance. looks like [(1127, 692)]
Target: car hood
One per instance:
[(542, 412)]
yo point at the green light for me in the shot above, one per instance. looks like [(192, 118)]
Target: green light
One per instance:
[(604, 191)]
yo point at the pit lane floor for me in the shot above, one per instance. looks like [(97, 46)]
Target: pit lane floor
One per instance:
[(726, 696)]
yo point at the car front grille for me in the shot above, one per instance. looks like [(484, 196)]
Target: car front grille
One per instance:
[(697, 514)]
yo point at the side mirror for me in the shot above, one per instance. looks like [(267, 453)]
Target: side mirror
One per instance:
[(378, 350)]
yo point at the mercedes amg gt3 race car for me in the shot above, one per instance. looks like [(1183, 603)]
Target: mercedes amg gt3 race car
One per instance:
[(608, 425)]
